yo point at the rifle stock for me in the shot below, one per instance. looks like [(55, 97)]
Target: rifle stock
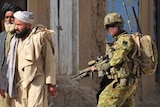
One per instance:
[(83, 73)]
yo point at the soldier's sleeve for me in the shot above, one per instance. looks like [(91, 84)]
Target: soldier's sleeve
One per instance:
[(124, 45), (108, 50)]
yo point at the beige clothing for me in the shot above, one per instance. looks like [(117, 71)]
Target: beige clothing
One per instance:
[(8, 39), (36, 68), (5, 102)]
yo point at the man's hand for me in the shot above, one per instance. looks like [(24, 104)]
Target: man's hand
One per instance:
[(93, 68), (2, 92), (52, 90)]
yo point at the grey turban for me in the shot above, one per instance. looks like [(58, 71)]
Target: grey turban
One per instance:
[(9, 7)]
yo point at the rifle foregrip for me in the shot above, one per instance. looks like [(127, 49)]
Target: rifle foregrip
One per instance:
[(91, 63)]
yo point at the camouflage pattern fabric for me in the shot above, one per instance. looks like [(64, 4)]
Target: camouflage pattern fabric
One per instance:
[(120, 92), (122, 46), (116, 95)]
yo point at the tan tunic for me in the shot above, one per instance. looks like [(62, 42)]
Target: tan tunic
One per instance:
[(36, 68), (8, 39)]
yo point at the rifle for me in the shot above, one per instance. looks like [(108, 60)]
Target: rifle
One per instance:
[(87, 71)]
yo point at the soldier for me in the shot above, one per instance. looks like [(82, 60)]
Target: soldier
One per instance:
[(120, 92)]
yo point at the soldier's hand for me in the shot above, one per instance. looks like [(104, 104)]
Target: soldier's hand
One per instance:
[(2, 92), (52, 90), (93, 68)]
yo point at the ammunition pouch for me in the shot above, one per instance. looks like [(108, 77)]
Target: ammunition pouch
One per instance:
[(100, 73), (127, 82)]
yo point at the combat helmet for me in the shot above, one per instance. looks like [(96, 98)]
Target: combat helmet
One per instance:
[(113, 18)]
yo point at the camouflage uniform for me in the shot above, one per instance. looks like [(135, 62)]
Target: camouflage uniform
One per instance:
[(120, 92)]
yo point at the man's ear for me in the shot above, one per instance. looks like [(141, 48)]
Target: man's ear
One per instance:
[(29, 25)]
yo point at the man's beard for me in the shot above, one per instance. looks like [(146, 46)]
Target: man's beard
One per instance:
[(9, 27), (22, 33)]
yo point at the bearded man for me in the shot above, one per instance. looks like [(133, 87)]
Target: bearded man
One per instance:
[(31, 69), (5, 38)]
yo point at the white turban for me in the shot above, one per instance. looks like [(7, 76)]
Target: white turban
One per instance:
[(24, 16)]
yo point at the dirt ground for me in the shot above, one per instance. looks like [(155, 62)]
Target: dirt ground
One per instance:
[(72, 93), (153, 100)]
